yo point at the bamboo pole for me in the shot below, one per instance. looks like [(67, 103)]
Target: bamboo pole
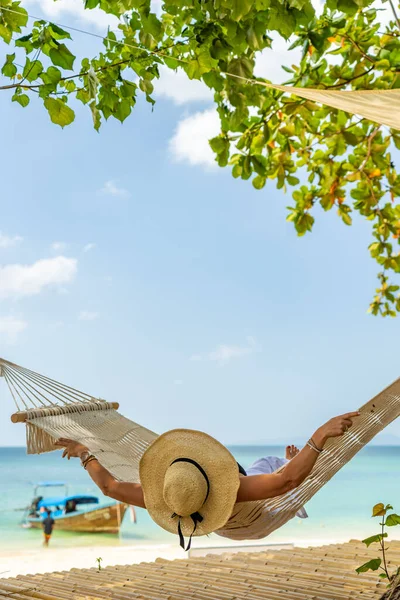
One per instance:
[(23, 416)]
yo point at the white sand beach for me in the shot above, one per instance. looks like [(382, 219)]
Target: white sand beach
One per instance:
[(43, 560)]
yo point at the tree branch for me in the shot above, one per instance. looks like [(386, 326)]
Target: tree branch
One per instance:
[(370, 138), (394, 13), (330, 87)]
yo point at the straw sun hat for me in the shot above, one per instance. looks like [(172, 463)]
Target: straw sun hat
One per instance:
[(190, 483)]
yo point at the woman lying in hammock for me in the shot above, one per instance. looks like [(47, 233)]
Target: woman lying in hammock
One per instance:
[(192, 485)]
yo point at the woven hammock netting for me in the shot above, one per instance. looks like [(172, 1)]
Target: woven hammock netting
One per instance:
[(55, 410), (52, 410)]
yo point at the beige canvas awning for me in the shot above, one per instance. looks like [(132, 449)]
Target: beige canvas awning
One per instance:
[(380, 106)]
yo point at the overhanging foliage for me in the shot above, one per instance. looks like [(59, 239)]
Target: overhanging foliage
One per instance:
[(329, 157)]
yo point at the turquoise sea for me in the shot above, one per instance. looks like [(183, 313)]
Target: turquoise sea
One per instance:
[(340, 511)]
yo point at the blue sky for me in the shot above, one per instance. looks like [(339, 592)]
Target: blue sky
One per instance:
[(134, 270)]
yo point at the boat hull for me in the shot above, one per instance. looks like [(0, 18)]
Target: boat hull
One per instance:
[(105, 519)]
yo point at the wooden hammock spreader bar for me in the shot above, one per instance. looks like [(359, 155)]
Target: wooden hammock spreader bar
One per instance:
[(76, 407)]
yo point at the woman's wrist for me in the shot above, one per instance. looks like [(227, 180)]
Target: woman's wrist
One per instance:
[(319, 439)]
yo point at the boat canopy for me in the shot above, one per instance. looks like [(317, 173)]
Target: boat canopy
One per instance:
[(61, 501), (50, 483)]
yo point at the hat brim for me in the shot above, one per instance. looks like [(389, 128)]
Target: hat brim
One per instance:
[(216, 460)]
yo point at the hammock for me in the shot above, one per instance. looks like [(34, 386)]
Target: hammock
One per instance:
[(52, 410)]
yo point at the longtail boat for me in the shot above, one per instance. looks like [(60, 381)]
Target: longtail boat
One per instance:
[(76, 512)]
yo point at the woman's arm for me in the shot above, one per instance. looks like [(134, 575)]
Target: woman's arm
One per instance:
[(261, 487), (131, 493)]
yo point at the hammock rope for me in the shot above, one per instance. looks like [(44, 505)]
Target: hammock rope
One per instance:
[(52, 410)]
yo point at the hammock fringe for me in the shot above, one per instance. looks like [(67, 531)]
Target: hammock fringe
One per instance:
[(38, 440)]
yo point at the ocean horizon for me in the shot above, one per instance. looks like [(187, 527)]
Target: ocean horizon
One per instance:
[(340, 511)]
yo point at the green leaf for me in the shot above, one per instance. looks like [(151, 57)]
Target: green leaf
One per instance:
[(303, 223), (59, 112), (22, 99), (282, 20), (214, 80), (392, 520), (5, 33), (240, 8), (379, 510), (16, 18), (343, 212), (237, 171), (51, 76), (219, 144), (374, 538), (317, 40), (83, 96), (128, 89), (200, 65), (349, 7), (372, 565), (241, 68), (152, 25), (62, 57), (32, 70), (146, 86), (259, 182), (246, 168), (24, 42), (70, 85), (9, 69), (123, 110), (58, 33), (259, 164), (255, 36)]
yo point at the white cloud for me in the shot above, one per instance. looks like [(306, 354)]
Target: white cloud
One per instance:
[(58, 246), (110, 188), (224, 353), (7, 241), (87, 315), (177, 86), (28, 280), (269, 62), (10, 328), (65, 9), (89, 247), (190, 141)]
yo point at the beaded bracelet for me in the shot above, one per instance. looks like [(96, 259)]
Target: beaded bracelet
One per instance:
[(312, 445), (88, 460), (315, 445)]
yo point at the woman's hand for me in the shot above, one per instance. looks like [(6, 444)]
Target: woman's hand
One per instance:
[(334, 428), (72, 449)]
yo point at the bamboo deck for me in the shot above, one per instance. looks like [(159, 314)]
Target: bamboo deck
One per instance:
[(322, 573)]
